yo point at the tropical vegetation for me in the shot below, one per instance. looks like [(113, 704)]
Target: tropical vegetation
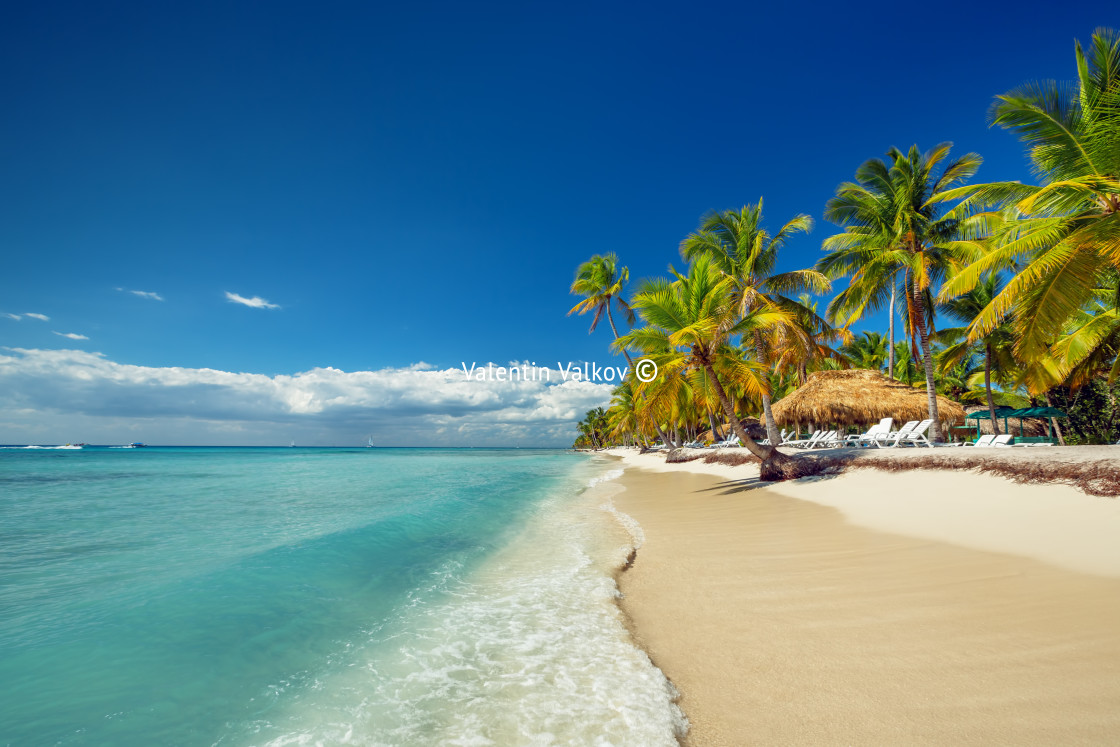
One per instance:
[(1007, 293)]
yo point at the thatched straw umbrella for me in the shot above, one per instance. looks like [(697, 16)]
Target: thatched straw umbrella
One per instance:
[(1028, 426), (859, 397)]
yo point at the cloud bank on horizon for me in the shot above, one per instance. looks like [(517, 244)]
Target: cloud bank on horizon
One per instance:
[(56, 396)]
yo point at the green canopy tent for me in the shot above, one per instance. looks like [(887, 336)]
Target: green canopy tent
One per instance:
[(1003, 411), (1038, 412)]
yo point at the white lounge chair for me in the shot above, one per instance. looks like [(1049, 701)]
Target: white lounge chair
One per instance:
[(983, 441), (917, 437), (912, 436), (793, 440), (829, 440), (733, 441), (881, 439), (805, 443), (781, 440), (882, 428), (821, 438), (1003, 440)]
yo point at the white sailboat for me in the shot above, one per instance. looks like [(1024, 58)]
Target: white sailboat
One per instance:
[(369, 444)]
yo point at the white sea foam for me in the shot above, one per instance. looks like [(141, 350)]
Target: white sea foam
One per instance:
[(628, 522), (614, 474), (529, 649), (67, 446)]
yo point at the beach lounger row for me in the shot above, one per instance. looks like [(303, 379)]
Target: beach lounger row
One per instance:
[(880, 436), (1001, 441)]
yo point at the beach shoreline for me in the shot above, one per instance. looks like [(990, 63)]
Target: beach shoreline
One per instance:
[(875, 607)]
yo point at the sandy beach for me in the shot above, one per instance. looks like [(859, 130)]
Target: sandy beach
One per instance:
[(877, 607)]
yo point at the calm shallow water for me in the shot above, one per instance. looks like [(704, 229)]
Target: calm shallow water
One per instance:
[(314, 596)]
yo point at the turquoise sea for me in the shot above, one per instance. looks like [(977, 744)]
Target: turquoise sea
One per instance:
[(275, 596)]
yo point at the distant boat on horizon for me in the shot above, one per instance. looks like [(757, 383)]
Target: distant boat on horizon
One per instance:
[(369, 444), (292, 445)]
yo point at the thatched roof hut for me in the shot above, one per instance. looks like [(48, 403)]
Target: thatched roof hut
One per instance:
[(859, 397)]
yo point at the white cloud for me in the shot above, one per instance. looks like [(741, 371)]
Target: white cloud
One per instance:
[(145, 294), (40, 317), (256, 302), (418, 405), (71, 335), (12, 316)]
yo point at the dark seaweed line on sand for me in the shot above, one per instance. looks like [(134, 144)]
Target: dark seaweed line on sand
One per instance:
[(1100, 477)]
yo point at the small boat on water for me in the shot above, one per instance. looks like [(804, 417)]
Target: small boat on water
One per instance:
[(369, 444), (136, 445)]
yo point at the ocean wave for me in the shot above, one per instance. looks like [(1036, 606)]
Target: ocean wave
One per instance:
[(48, 448), (614, 474), (528, 649), (628, 522)]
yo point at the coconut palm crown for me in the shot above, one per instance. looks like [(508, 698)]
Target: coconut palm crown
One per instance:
[(600, 280), (740, 248), (895, 235), (691, 324), (1068, 229)]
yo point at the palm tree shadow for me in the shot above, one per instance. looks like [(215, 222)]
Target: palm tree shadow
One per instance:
[(729, 487)]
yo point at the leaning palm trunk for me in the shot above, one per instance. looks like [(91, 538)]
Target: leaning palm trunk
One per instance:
[(775, 465), (927, 361), (771, 426), (988, 387), (614, 329)]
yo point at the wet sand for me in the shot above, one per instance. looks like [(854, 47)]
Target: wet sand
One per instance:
[(783, 622)]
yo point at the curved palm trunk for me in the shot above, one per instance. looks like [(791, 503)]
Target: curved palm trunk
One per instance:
[(988, 388), (771, 426), (927, 361), (775, 465), (610, 318)]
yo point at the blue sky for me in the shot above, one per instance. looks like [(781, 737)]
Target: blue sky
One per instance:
[(415, 184)]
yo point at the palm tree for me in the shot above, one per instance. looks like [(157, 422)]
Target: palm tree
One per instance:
[(996, 345), (869, 350), (600, 280), (695, 319), (622, 416), (810, 349), (1090, 345), (894, 235), (1069, 228), (741, 249), (870, 233), (906, 368)]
